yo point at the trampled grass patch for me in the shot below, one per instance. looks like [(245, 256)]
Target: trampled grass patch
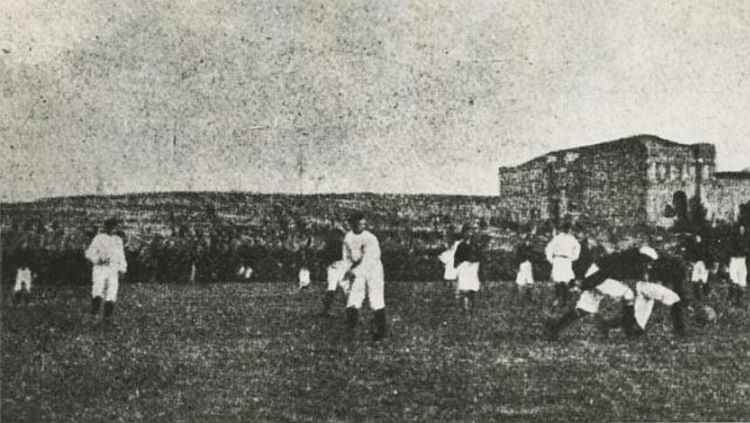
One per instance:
[(261, 352)]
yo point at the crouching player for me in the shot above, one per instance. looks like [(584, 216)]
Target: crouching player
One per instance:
[(664, 284), (365, 271), (604, 280), (107, 254)]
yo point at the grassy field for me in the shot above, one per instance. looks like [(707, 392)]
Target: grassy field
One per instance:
[(260, 352)]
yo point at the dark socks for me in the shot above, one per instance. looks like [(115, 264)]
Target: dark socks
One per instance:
[(629, 325), (109, 308), (327, 301), (379, 325), (678, 319), (96, 303), (352, 318), (697, 291), (561, 293), (468, 298), (738, 296), (528, 295)]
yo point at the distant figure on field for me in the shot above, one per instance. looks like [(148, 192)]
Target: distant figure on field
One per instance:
[(107, 254), (24, 276), (467, 267), (561, 252), (697, 254), (447, 259), (334, 258), (739, 246), (525, 274)]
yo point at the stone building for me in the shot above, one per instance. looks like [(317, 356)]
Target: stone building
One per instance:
[(625, 181)]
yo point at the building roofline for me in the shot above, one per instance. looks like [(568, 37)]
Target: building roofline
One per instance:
[(732, 175), (640, 138)]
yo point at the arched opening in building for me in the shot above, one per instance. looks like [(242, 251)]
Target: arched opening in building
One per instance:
[(744, 217), (680, 204)]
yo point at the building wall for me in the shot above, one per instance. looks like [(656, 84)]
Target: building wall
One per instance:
[(725, 195), (522, 192), (672, 168), (606, 181), (621, 182)]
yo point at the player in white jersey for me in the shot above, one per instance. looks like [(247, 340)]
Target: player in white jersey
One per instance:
[(361, 250), (107, 254), (561, 252), (22, 288), (24, 276)]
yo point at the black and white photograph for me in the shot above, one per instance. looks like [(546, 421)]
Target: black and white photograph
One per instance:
[(374, 211)]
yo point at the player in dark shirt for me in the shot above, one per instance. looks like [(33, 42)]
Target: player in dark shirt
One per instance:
[(525, 276), (738, 246), (663, 282), (332, 256), (671, 273), (605, 279), (466, 259)]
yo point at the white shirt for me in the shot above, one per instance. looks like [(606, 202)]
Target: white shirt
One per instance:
[(563, 246), (362, 247), (107, 250)]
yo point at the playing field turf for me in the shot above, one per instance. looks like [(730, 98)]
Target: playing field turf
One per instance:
[(261, 352)]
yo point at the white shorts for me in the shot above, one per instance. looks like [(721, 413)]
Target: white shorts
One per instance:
[(646, 294), (590, 299), (335, 276), (368, 281), (562, 270), (304, 277), (23, 279), (245, 272), (738, 271), (525, 274), (105, 282), (446, 257), (468, 276), (700, 273), (450, 273)]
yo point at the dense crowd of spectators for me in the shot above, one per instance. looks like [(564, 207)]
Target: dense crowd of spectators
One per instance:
[(215, 247)]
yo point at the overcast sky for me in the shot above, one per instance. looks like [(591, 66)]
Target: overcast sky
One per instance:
[(330, 96)]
